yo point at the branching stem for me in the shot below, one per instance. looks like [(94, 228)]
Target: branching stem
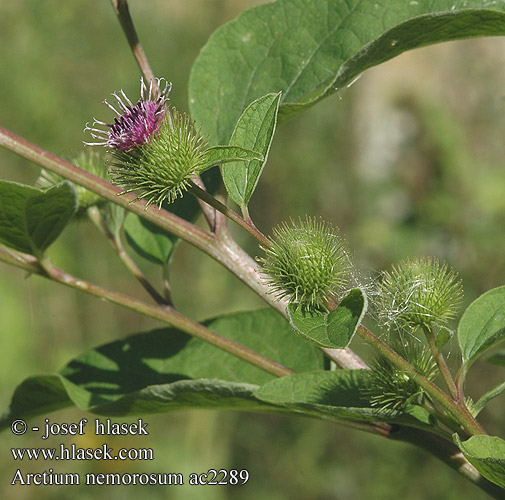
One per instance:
[(442, 365), (234, 216), (97, 218), (237, 261)]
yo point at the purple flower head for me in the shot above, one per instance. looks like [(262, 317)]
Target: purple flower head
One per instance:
[(136, 124)]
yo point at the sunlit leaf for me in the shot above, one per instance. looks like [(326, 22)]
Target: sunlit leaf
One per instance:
[(31, 219), (309, 49), (482, 324), (254, 130)]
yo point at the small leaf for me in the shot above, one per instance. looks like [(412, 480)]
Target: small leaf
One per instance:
[(487, 455), (334, 329), (148, 240), (166, 369), (339, 394), (31, 219), (254, 130), (482, 324), (497, 359), (48, 213), (484, 400), (226, 154), (13, 197)]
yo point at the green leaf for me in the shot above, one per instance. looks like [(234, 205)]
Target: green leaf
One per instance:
[(147, 239), (166, 369), (31, 219), (36, 395), (13, 198), (487, 455), (482, 324), (333, 330), (339, 394), (497, 358), (227, 154), (182, 395), (309, 49), (254, 130), (488, 396), (442, 338), (47, 214)]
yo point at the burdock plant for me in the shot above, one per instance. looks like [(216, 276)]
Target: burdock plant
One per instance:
[(297, 355)]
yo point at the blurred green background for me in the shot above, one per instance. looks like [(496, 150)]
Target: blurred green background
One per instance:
[(408, 161)]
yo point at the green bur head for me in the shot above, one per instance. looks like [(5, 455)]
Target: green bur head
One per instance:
[(306, 263), (161, 168), (419, 293), (391, 388)]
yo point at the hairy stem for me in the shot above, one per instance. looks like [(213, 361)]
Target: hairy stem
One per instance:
[(442, 365), (97, 218), (167, 290), (234, 216), (123, 14), (460, 381), (208, 212)]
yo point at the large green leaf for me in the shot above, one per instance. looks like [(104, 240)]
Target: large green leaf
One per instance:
[(337, 394), (178, 395), (310, 48), (334, 329), (482, 324), (487, 455), (166, 369), (254, 130), (31, 219)]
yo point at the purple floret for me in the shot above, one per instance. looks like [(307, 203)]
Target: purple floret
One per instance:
[(136, 124)]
